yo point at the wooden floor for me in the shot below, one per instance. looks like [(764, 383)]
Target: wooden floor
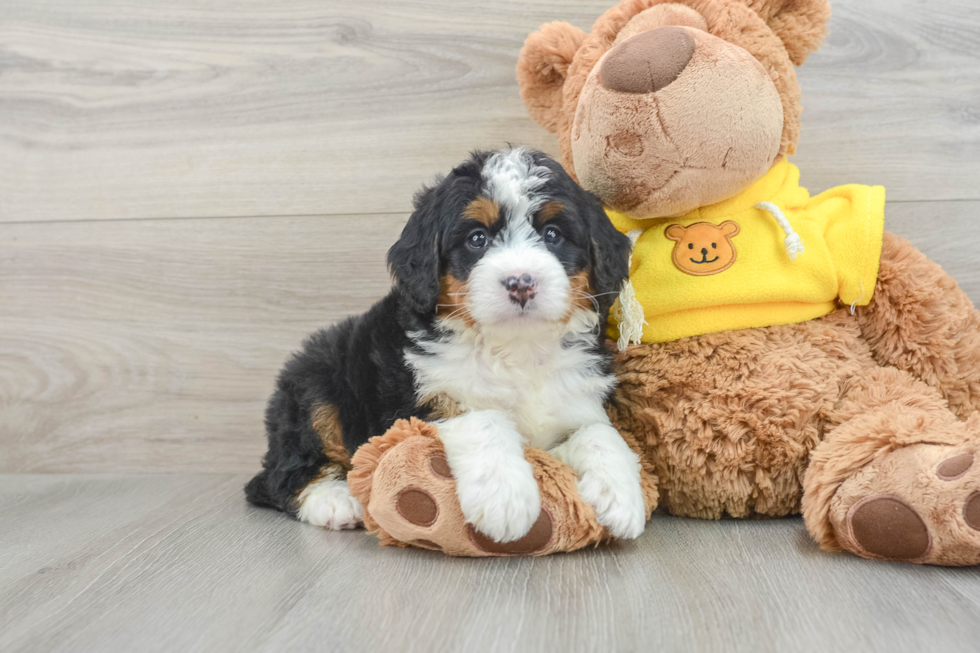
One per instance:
[(179, 563), (188, 188)]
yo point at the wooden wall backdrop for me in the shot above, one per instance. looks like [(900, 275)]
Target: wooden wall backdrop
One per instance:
[(188, 188)]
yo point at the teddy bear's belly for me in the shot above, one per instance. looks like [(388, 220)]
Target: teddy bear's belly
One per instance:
[(730, 418)]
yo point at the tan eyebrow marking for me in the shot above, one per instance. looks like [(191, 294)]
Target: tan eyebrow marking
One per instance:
[(484, 210), (550, 210)]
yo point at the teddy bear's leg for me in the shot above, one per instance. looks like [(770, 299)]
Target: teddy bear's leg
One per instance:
[(920, 321), (409, 493), (897, 475)]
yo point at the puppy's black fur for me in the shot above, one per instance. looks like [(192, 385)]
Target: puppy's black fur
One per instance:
[(358, 366)]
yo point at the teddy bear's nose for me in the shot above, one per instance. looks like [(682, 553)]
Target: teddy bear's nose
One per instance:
[(647, 62)]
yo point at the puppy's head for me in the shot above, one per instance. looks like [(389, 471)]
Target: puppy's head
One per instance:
[(507, 239)]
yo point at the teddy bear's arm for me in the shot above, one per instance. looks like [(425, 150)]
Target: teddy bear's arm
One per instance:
[(921, 322)]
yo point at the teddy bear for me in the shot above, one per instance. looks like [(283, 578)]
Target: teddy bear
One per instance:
[(779, 353)]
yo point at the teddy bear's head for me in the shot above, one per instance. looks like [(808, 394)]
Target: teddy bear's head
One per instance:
[(671, 105)]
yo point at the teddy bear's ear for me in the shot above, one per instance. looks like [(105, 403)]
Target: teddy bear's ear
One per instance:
[(800, 24), (542, 68)]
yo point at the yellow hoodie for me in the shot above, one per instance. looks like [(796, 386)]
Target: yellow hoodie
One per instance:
[(770, 255)]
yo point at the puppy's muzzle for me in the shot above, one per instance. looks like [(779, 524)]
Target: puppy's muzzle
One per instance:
[(521, 289)]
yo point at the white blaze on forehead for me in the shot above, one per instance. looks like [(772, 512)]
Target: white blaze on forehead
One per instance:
[(513, 181)]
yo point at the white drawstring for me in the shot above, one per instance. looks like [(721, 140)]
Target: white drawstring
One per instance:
[(859, 299), (627, 309), (793, 242)]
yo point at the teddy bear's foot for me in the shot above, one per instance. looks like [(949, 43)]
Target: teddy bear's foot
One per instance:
[(919, 504), (409, 495)]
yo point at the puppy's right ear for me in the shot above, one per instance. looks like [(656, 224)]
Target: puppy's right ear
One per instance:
[(542, 68), (414, 259)]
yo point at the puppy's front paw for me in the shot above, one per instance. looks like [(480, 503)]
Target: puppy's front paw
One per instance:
[(617, 500), (502, 503), (608, 478)]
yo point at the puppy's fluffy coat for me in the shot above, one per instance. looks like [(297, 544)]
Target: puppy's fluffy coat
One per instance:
[(504, 275)]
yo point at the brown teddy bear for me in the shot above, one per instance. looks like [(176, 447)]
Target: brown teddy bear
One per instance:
[(781, 353)]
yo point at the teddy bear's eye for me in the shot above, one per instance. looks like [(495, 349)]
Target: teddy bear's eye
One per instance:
[(714, 246), (690, 245)]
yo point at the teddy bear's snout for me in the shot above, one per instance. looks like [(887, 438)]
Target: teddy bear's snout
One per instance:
[(649, 61)]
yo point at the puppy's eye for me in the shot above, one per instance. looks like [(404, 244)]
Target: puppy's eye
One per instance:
[(551, 235), (476, 240), (714, 245), (690, 245)]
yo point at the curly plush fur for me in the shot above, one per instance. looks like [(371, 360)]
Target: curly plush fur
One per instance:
[(865, 420)]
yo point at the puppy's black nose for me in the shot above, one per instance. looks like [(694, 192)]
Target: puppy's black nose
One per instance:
[(520, 289), (704, 251)]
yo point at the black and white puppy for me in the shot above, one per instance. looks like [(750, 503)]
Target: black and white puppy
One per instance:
[(494, 329)]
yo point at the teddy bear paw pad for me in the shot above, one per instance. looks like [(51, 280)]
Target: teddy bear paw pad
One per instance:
[(920, 503), (440, 467), (536, 539), (955, 467), (888, 527), (417, 506), (971, 511)]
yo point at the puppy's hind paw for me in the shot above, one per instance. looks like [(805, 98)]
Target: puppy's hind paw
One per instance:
[(328, 503)]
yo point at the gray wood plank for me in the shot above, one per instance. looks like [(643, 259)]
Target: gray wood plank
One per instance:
[(947, 232), (893, 99), (229, 108), (152, 345), (182, 563), (245, 108)]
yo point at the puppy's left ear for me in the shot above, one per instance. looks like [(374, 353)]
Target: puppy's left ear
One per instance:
[(414, 259), (610, 252)]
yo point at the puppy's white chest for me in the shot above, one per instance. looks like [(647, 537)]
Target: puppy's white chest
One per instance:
[(547, 391)]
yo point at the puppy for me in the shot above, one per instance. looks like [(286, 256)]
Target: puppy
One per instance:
[(494, 329)]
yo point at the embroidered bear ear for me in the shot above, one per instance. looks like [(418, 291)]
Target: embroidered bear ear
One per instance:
[(676, 232), (729, 228)]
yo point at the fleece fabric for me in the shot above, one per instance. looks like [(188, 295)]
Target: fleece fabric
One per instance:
[(726, 266)]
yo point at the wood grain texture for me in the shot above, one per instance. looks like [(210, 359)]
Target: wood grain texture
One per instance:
[(221, 108), (134, 342), (180, 563), (152, 345), (232, 108)]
